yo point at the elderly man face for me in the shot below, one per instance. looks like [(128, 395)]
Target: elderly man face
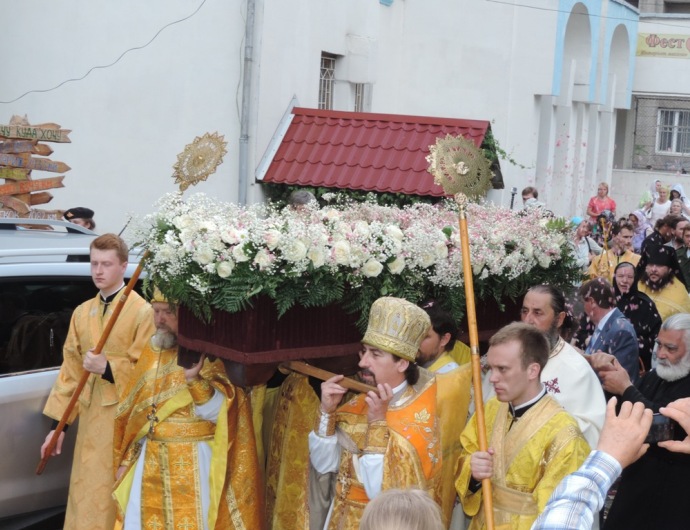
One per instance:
[(673, 358), (165, 319), (538, 312)]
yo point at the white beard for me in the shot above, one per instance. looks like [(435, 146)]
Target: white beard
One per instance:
[(163, 340), (673, 372)]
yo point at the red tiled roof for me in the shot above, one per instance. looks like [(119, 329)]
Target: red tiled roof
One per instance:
[(364, 151)]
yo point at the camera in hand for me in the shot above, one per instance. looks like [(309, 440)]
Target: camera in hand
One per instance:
[(662, 429)]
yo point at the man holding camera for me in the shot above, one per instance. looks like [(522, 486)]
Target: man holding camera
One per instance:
[(652, 490)]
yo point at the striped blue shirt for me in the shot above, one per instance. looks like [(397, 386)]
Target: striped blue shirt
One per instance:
[(579, 497)]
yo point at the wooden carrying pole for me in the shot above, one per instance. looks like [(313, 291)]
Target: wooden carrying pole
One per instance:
[(476, 364), (307, 369), (85, 376)]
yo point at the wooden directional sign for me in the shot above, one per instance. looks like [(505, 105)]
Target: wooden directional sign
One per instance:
[(17, 146), (11, 160), (12, 173), (15, 204), (42, 197), (42, 149), (14, 188), (25, 146), (9, 213), (46, 164), (42, 134), (24, 160), (46, 214)]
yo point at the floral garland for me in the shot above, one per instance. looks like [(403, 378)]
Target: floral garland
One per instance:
[(208, 254)]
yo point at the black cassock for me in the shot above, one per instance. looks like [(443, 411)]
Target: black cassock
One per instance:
[(653, 492)]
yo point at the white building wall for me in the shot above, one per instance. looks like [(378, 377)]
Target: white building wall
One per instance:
[(129, 120), (469, 59), (665, 77)]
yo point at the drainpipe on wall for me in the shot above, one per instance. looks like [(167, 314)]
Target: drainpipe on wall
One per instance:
[(246, 98)]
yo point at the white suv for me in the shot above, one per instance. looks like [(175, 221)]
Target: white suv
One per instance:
[(44, 275)]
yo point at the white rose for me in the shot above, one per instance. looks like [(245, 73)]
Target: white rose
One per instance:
[(295, 251), (426, 259), (187, 235), (441, 250), (165, 253), (232, 235), (397, 265), (544, 261), (341, 252), (362, 229), (272, 237), (203, 255), (209, 226), (238, 254), (184, 221), (357, 257), (528, 249), (224, 268), (331, 214), (394, 245), (372, 268), (263, 259), (394, 232), (317, 256)]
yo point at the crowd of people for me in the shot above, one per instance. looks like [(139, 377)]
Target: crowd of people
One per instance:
[(569, 397)]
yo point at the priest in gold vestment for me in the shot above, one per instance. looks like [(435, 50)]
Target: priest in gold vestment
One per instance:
[(384, 439), (90, 504), (185, 453), (533, 441), (454, 383)]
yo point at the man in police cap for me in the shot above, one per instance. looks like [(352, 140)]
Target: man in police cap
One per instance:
[(81, 216)]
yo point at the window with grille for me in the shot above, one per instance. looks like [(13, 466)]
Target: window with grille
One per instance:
[(673, 131), (327, 81), (359, 97)]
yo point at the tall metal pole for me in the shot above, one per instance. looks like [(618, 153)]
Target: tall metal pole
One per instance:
[(487, 495)]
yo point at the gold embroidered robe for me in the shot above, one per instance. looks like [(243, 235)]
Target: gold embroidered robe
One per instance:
[(461, 353), (604, 265), (287, 467), (530, 460), (409, 439), (453, 403), (443, 360), (672, 299), (170, 489), (90, 504)]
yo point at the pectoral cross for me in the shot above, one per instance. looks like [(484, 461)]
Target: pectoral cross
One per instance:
[(152, 418)]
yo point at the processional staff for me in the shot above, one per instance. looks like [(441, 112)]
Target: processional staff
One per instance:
[(462, 170), (85, 376)]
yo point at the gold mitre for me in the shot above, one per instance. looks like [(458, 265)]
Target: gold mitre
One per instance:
[(158, 297), (397, 326)]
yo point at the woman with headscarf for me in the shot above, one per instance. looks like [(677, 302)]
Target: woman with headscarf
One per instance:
[(677, 192), (641, 227), (638, 308)]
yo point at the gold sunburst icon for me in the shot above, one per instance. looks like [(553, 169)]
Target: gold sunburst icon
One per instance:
[(199, 159)]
